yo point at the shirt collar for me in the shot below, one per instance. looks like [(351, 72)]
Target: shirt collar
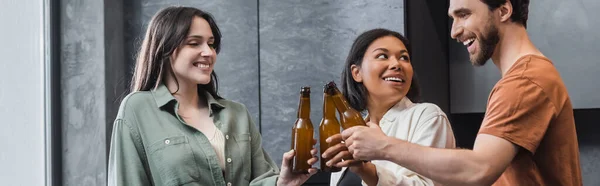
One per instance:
[(403, 104), (162, 96)]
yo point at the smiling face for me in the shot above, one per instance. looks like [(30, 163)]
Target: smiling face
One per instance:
[(193, 61), (474, 26), (385, 71)]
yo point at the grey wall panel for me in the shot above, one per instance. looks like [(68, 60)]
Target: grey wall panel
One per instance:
[(115, 63), (237, 64), (83, 92), (565, 31), (305, 43)]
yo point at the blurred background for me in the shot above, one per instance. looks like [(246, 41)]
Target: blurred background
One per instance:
[(66, 65)]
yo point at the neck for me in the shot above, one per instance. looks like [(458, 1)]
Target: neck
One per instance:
[(378, 108), (514, 44), (185, 93), (328, 106)]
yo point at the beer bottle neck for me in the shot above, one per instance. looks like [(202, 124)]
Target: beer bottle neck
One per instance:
[(304, 108), (328, 106), (340, 103)]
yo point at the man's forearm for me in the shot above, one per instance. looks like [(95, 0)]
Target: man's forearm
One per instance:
[(446, 166)]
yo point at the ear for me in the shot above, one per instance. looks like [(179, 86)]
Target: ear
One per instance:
[(174, 55), (356, 75), (505, 11)]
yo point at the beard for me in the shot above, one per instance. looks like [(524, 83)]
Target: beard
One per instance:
[(487, 45)]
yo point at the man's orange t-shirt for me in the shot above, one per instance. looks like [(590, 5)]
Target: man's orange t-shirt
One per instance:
[(530, 107)]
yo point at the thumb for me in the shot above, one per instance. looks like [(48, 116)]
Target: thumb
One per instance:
[(348, 132), (287, 157)]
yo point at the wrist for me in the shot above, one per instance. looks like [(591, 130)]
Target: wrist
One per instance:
[(358, 168), (280, 182), (388, 148)]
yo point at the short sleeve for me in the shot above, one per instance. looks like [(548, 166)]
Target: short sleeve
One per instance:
[(519, 111)]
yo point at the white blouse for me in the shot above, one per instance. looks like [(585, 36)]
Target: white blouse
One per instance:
[(420, 123), (218, 143)]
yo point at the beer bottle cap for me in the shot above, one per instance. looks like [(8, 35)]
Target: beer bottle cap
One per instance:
[(305, 91)]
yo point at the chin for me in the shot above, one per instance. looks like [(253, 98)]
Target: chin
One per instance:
[(202, 80), (478, 60)]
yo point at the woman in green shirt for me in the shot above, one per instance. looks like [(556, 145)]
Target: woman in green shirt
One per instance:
[(174, 128)]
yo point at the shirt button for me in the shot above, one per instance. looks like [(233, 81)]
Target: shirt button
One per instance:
[(228, 160), (226, 136), (167, 141), (228, 183)]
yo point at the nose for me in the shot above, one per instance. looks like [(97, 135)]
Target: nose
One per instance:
[(395, 65), (456, 30), (206, 50)]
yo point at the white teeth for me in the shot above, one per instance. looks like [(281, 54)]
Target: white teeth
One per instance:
[(468, 41), (203, 65), (393, 79)]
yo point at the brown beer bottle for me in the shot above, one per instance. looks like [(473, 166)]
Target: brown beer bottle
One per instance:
[(302, 134), (348, 116), (329, 126)]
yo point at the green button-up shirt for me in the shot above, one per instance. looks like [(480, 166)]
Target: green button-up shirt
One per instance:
[(152, 145)]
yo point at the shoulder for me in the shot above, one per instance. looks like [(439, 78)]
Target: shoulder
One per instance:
[(530, 73), (532, 79), (135, 101), (538, 68), (417, 113), (532, 85), (426, 111)]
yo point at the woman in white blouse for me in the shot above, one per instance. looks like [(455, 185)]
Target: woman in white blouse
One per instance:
[(378, 78)]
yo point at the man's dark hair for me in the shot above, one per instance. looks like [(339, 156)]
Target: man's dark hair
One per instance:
[(520, 9)]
